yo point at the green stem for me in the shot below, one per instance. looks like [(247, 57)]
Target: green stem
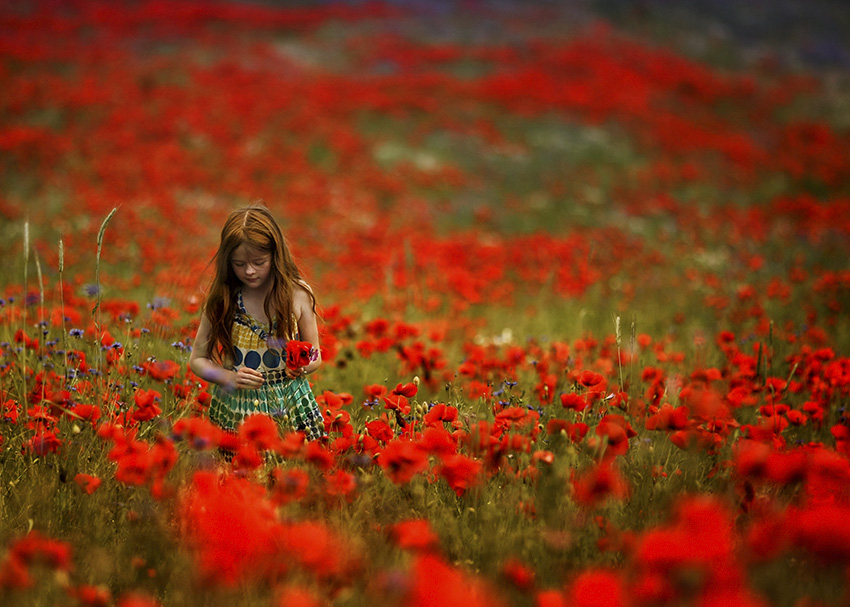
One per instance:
[(96, 310)]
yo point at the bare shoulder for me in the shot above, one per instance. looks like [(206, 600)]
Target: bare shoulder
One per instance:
[(200, 346), (301, 286), (303, 296)]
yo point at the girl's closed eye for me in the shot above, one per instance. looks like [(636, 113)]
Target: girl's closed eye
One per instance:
[(254, 262)]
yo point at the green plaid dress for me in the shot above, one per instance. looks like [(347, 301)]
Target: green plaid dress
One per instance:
[(289, 401)]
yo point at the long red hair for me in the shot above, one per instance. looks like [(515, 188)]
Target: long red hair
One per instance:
[(256, 227)]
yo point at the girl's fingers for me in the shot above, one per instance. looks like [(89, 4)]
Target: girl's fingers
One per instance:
[(248, 378)]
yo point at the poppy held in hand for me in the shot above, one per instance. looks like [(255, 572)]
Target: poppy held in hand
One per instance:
[(300, 354)]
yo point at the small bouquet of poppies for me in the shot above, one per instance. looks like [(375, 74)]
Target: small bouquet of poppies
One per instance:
[(300, 353)]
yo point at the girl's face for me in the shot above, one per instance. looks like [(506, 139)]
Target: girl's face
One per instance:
[(252, 266)]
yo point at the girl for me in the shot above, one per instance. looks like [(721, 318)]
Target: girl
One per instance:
[(256, 303)]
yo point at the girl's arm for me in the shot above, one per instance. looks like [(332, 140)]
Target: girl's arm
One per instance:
[(308, 329), (207, 369)]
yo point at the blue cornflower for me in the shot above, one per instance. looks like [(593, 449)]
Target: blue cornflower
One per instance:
[(199, 442), (159, 302)]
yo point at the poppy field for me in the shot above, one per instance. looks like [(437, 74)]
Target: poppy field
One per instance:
[(583, 283)]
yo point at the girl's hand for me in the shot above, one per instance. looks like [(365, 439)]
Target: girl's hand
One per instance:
[(295, 373), (246, 378)]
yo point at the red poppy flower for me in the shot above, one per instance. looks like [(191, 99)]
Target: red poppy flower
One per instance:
[(374, 390), (87, 483), (377, 327), (299, 354), (203, 399), (597, 587), (704, 403), (292, 444), (9, 411), (768, 536), (91, 596), (316, 549), (520, 575), (396, 402), (590, 378), (440, 413), (43, 443), (512, 415), (695, 439), (161, 370), (555, 425), (297, 596), (547, 457), (550, 598), (134, 467), (35, 548), (460, 472), (316, 454), (816, 411), (787, 467), (402, 460), (146, 407), (477, 389), (340, 483), (576, 432), (379, 430), (797, 418), (415, 534), (435, 583), (137, 599), (617, 431), (199, 431), (289, 485), (438, 441), (21, 336), (409, 390), (574, 401), (823, 531), (599, 483), (87, 412), (332, 400), (668, 418), (261, 431)]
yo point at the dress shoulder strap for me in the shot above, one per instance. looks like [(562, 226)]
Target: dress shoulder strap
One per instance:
[(245, 319)]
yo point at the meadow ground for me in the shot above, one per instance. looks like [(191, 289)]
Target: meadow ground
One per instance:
[(583, 280)]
